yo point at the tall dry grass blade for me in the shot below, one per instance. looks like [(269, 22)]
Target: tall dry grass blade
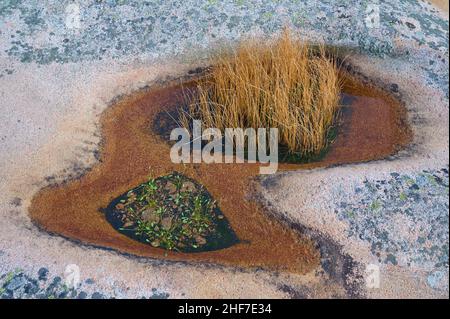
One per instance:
[(285, 83)]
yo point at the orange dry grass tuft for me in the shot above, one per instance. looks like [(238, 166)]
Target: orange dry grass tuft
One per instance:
[(285, 83)]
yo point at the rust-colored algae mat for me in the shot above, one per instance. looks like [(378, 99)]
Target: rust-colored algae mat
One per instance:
[(372, 128)]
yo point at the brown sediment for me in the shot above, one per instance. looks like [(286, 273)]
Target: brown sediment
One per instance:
[(372, 128)]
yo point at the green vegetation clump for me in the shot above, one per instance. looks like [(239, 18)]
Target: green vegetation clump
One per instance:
[(172, 212)]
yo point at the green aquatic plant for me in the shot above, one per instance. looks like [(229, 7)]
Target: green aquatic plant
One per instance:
[(174, 213)]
